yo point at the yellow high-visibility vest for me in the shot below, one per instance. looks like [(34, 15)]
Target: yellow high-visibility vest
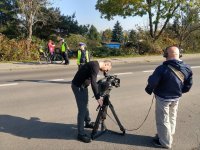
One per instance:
[(63, 47), (79, 57)]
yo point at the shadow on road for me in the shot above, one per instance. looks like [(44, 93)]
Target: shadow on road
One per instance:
[(43, 81), (34, 128)]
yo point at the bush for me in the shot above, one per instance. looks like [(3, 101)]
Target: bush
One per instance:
[(14, 49)]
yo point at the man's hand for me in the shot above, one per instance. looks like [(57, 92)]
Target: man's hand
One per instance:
[(100, 101), (148, 89)]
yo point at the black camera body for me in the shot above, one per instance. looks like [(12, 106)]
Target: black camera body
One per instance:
[(105, 84)]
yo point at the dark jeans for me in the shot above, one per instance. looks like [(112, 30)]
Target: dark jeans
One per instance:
[(81, 95), (65, 57)]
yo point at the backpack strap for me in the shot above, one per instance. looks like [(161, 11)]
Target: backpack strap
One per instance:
[(178, 73)]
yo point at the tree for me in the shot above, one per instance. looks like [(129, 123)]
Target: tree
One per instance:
[(133, 36), (69, 25), (45, 29), (159, 11), (117, 34), (30, 14), (188, 23), (73, 41), (107, 35), (8, 18), (93, 33)]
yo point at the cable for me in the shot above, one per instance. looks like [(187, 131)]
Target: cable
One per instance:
[(143, 120)]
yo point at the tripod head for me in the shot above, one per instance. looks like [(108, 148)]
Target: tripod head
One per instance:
[(106, 84)]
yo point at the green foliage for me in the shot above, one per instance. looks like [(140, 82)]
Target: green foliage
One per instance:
[(109, 52), (93, 33), (107, 36), (117, 34), (133, 36), (8, 18), (159, 12), (74, 39), (14, 50)]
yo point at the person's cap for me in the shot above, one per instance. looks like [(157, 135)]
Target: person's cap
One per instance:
[(81, 44)]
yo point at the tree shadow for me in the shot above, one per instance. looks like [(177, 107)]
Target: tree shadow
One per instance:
[(43, 81), (34, 128)]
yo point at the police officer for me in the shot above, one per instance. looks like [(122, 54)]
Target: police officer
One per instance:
[(64, 51), (83, 55), (85, 75), (168, 82)]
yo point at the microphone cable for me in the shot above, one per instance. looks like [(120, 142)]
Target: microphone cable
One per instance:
[(134, 129)]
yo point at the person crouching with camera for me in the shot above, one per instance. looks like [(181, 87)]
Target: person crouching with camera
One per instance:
[(85, 76), (168, 82)]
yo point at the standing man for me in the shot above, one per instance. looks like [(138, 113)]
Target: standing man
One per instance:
[(85, 75), (83, 55), (64, 51), (168, 82)]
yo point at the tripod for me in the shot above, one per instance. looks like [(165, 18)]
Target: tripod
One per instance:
[(101, 118)]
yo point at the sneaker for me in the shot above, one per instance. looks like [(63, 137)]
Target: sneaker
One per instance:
[(157, 143), (84, 138), (89, 125)]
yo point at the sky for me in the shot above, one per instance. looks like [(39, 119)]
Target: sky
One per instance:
[(87, 14)]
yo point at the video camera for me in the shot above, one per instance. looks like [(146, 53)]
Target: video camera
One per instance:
[(105, 84)]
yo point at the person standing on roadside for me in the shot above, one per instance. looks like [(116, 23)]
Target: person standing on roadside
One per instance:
[(168, 82), (85, 76), (64, 50), (51, 47), (83, 55)]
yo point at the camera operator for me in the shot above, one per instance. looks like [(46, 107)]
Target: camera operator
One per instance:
[(168, 82), (85, 75)]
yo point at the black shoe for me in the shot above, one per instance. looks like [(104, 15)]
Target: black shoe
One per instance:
[(89, 125), (157, 143), (84, 138), (156, 137)]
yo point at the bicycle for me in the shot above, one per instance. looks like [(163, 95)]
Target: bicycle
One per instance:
[(43, 55)]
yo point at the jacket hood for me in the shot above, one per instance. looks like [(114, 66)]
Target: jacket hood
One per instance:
[(178, 64)]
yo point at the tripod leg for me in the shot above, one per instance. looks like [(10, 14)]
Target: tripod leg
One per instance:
[(116, 118), (99, 120)]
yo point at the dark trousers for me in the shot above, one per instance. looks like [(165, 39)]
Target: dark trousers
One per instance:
[(81, 95), (65, 57)]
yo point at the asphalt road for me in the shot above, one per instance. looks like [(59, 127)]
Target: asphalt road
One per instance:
[(38, 110)]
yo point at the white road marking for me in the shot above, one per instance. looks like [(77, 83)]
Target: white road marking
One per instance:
[(118, 74), (52, 80), (10, 84), (148, 71), (125, 73), (195, 67), (56, 80)]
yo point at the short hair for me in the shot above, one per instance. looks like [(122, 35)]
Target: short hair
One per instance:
[(108, 61)]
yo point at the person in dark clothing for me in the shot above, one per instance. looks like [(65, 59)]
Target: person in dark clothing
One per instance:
[(168, 82), (85, 76)]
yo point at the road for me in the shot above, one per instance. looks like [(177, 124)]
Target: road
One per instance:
[(38, 110)]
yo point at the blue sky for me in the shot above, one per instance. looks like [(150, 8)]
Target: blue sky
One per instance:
[(87, 14)]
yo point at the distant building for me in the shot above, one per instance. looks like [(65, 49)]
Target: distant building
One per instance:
[(112, 45)]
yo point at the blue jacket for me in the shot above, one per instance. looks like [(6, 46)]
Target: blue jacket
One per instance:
[(164, 83)]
